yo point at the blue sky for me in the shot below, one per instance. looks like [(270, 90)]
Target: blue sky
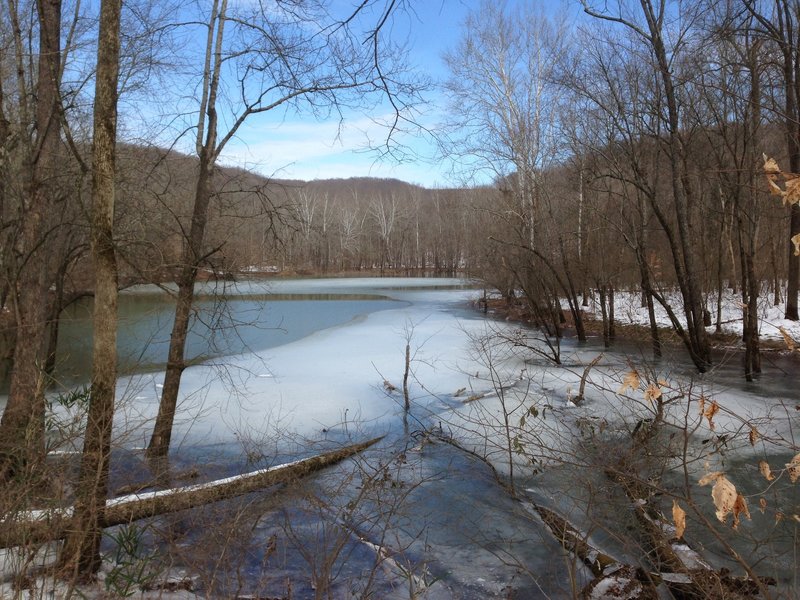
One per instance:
[(302, 148)]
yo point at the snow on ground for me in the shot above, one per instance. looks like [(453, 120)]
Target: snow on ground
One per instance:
[(628, 310)]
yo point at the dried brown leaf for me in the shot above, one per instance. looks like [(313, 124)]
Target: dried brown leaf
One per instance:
[(770, 165), (724, 496), (710, 477), (774, 188), (652, 393), (723, 493), (766, 472), (709, 413), (679, 518), (702, 404), (762, 505), (793, 468), (795, 239), (753, 436), (630, 381), (792, 195), (739, 508)]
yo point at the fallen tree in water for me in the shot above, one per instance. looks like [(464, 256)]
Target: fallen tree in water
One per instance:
[(671, 562), (681, 568), (36, 527)]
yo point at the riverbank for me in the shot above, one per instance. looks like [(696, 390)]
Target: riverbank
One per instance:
[(632, 322)]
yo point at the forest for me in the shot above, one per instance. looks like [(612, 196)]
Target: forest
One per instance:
[(640, 147)]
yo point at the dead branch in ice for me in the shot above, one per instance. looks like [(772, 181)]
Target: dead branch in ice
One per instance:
[(579, 398), (48, 525)]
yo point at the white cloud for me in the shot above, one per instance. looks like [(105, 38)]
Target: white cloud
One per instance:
[(319, 150)]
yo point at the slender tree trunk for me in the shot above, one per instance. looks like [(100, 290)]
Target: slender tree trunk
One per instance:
[(793, 279), (720, 265), (193, 250), (748, 228), (612, 328), (601, 290), (687, 275), (753, 365), (647, 295), (176, 363), (776, 284), (81, 554), (787, 14)]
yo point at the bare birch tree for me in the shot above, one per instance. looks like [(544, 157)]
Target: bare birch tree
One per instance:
[(504, 117)]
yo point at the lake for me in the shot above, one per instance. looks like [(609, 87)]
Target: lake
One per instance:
[(285, 368)]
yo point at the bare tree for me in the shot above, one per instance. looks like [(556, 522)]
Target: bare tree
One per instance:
[(274, 58), (504, 115), (778, 22), (22, 426), (652, 34), (734, 146), (82, 550)]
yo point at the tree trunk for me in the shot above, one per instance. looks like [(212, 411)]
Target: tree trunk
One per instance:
[(793, 279), (22, 425), (647, 295), (612, 327), (176, 363), (776, 284), (81, 554), (162, 430), (601, 291), (193, 253), (56, 524)]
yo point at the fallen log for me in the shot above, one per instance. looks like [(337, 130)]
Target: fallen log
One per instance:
[(682, 569), (612, 579), (573, 541), (36, 527)]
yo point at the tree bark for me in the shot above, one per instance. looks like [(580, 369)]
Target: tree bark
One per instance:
[(176, 363), (193, 251), (793, 279), (81, 554), (22, 425)]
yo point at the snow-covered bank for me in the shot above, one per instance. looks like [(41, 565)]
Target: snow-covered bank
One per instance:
[(628, 310)]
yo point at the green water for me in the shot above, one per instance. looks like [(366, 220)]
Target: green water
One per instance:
[(220, 326)]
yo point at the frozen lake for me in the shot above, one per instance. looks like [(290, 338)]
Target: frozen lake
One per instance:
[(305, 358), (285, 368), (305, 369)]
